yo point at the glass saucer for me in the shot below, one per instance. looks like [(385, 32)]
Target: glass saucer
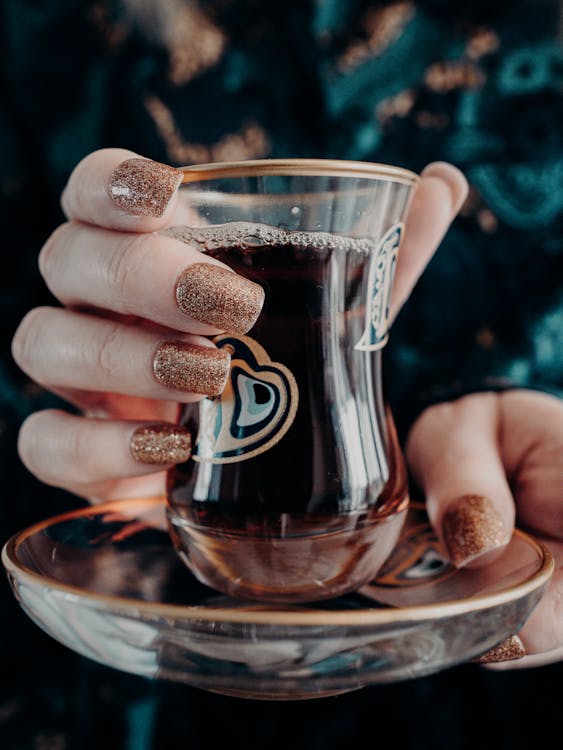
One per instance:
[(106, 582)]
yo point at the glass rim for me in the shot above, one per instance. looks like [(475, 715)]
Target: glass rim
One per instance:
[(296, 167)]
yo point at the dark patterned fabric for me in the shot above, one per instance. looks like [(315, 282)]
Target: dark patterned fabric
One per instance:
[(475, 83)]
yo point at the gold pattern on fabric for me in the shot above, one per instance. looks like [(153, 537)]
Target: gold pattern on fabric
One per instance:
[(487, 221), (435, 120), (194, 44), (399, 105), (447, 76), (482, 42), (382, 27), (250, 142)]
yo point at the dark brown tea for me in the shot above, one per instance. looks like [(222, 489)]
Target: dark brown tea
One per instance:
[(296, 489)]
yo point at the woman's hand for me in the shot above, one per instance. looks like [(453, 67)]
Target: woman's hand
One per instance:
[(484, 461), (130, 343)]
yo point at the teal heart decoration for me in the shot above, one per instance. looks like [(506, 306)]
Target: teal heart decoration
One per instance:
[(255, 410)]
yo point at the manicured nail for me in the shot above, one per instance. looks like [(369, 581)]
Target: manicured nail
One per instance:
[(144, 187), (187, 367), (221, 298), (454, 179), (508, 650), (161, 444), (471, 526)]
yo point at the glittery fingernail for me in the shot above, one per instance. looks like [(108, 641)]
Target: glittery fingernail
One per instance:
[(161, 444), (508, 650), (221, 298), (187, 367), (144, 187), (471, 526)]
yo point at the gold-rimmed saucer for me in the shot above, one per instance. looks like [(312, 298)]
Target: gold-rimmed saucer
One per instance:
[(106, 582)]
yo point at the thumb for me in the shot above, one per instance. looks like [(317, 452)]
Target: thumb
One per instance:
[(438, 198), (453, 454)]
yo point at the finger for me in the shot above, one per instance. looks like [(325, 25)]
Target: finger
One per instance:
[(540, 641), (85, 455), (530, 661), (74, 350), (453, 453), (118, 189), (532, 452), (543, 631), (509, 649), (118, 405), (437, 200), (149, 276)]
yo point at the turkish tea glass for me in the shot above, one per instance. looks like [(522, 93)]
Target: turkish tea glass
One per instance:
[(296, 489)]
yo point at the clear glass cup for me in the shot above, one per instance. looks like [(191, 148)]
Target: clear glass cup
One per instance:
[(296, 489)]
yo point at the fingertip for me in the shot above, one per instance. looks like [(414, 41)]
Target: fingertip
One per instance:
[(29, 440), (473, 531), (453, 454), (119, 189), (510, 649), (527, 661), (454, 179)]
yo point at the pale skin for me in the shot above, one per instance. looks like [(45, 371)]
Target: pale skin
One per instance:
[(115, 279)]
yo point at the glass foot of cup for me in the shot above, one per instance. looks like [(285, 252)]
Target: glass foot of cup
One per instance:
[(290, 568)]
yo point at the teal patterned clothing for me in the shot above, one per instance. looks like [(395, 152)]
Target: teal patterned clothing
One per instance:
[(184, 82)]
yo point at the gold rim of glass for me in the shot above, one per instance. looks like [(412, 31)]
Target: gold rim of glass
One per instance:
[(295, 167), (260, 616)]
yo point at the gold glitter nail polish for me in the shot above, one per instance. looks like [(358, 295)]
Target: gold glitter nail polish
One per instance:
[(144, 187), (187, 367), (508, 650), (471, 526), (161, 444), (221, 298)]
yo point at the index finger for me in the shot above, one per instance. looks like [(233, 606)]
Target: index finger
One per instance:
[(118, 189)]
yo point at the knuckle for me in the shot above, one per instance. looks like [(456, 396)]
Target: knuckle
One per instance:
[(52, 447), (122, 266), (81, 196), (87, 162), (108, 354), (50, 252), (79, 451), (30, 444), (74, 195), (91, 161), (86, 169), (26, 342)]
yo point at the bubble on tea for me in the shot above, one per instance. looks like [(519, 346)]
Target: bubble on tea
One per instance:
[(245, 235)]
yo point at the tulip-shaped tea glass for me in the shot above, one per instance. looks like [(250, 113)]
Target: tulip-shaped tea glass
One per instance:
[(296, 490)]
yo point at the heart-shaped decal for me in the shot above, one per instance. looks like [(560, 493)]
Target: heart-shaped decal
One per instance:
[(255, 410)]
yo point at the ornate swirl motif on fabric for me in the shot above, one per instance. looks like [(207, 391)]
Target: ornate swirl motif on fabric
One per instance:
[(255, 410), (380, 284)]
